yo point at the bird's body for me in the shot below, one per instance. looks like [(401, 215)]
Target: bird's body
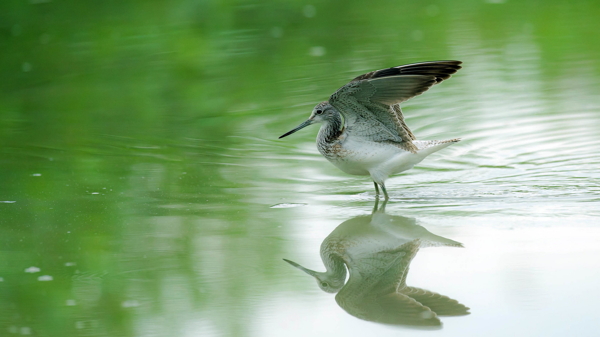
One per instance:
[(363, 130), (360, 156)]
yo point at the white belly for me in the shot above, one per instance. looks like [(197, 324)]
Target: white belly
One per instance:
[(360, 157)]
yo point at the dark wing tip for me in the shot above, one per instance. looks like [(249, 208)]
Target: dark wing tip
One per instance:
[(425, 85), (442, 70)]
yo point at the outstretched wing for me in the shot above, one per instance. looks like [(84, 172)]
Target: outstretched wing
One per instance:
[(370, 102)]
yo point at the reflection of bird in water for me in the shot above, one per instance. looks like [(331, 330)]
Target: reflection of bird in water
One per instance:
[(377, 250), (363, 130)]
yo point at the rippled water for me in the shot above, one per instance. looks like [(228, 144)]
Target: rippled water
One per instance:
[(144, 191)]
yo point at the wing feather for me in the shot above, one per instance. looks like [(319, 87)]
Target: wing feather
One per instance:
[(373, 98), (393, 89), (442, 70)]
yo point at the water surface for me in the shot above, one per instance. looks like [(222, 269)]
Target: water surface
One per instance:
[(144, 191)]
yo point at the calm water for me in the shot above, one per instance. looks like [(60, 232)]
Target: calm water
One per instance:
[(144, 192)]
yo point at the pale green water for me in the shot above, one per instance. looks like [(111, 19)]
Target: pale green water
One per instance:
[(143, 191)]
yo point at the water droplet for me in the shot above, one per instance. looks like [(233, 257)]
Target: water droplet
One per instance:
[(130, 304), (309, 11), (317, 51), (417, 35), (276, 32), (45, 38)]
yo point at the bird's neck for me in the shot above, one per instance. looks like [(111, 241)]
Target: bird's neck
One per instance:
[(331, 129), (336, 269)]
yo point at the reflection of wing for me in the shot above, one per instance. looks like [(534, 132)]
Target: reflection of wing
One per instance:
[(440, 304), (392, 308), (381, 272), (369, 103), (370, 292)]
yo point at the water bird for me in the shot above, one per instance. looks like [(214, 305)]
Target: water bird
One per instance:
[(376, 251), (362, 127)]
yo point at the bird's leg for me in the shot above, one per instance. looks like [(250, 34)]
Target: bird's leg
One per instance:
[(387, 197), (382, 209), (376, 190), (376, 204)]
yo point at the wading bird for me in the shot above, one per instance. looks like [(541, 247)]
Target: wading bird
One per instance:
[(362, 127)]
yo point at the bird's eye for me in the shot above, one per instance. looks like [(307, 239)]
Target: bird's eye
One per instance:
[(324, 284), (318, 112)]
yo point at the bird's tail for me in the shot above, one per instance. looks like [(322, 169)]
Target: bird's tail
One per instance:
[(428, 147)]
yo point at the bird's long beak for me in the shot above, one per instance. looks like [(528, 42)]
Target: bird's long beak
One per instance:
[(301, 126), (308, 271)]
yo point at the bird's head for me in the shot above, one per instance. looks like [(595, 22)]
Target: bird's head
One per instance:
[(322, 113), (327, 282)]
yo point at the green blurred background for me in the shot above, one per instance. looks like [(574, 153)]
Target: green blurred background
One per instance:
[(139, 161)]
